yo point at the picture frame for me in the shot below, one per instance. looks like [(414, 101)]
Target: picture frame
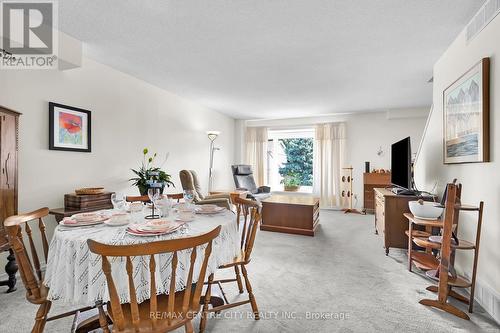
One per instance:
[(466, 116), (69, 128)]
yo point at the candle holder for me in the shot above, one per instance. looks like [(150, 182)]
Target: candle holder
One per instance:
[(152, 183)]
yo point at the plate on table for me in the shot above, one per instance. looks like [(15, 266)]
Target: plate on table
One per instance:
[(215, 210), (84, 219), (154, 228), (185, 219), (112, 223)]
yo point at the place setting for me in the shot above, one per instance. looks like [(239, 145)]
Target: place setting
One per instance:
[(84, 220), (154, 228), (158, 216), (209, 209)]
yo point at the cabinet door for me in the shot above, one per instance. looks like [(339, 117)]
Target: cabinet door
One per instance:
[(8, 167)]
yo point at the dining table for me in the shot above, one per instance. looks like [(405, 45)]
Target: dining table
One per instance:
[(74, 274)]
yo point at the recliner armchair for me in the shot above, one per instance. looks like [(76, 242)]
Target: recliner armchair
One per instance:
[(190, 181), (243, 179)]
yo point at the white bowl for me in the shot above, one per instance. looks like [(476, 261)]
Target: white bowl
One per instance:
[(426, 210)]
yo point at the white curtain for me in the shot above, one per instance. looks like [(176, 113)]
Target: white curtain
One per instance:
[(256, 152), (329, 159)]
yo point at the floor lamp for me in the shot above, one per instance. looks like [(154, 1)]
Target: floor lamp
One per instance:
[(212, 135)]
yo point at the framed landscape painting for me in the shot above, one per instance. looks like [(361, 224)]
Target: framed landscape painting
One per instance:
[(69, 128), (466, 110)]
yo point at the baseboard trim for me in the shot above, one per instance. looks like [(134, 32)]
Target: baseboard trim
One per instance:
[(488, 298)]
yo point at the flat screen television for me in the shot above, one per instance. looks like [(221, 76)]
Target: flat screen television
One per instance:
[(401, 164)]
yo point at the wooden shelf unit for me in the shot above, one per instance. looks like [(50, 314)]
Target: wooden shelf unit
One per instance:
[(418, 233), (424, 261), (446, 247), (425, 242), (459, 281), (422, 222)]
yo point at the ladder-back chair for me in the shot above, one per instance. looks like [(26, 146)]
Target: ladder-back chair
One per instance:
[(137, 198), (248, 217), (176, 196), (29, 265), (177, 308), (145, 198)]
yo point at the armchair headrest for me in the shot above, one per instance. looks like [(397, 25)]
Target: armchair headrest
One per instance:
[(242, 169)]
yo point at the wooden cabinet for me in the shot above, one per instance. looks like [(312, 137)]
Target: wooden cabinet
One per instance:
[(9, 128), (389, 220), (294, 214), (373, 180)]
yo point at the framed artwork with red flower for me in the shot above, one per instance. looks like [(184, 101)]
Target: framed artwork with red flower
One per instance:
[(69, 128)]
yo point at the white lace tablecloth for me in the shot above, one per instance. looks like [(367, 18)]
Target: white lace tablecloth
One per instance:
[(74, 274)]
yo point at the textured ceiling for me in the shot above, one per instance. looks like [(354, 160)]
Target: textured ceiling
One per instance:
[(274, 58)]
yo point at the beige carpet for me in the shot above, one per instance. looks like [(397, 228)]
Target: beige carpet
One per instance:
[(338, 281)]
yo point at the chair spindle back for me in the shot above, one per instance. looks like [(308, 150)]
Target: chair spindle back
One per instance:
[(190, 301), (29, 264), (145, 198), (250, 211), (141, 198)]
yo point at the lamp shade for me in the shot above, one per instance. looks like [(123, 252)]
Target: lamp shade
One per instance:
[(212, 135)]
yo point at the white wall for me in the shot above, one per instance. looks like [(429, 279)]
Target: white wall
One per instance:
[(127, 115), (239, 141), (481, 181), (366, 132)]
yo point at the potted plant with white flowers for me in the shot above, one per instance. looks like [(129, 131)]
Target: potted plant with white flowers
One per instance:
[(149, 172)]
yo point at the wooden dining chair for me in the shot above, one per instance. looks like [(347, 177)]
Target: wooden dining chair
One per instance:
[(137, 198), (248, 217), (161, 313), (176, 196), (145, 198), (30, 267)]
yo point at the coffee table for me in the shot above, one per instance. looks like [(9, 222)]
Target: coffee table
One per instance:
[(293, 214)]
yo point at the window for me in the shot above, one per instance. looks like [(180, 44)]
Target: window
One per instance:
[(290, 154)]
